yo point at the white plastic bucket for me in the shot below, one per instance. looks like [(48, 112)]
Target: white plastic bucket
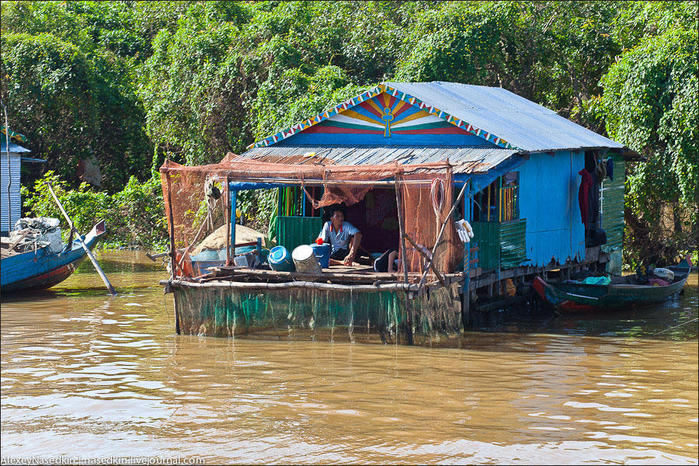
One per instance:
[(305, 259)]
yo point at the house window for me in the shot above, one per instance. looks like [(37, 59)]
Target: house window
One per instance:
[(509, 197), (499, 202)]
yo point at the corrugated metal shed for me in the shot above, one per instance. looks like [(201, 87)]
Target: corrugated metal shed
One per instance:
[(16, 148), (525, 124), (464, 159), (10, 168)]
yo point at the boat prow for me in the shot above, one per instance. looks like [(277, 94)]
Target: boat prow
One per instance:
[(620, 293), (41, 268)]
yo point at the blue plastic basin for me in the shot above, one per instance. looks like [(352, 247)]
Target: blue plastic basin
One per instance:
[(280, 259)]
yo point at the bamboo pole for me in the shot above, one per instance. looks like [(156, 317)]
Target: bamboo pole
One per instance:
[(404, 261), (320, 183), (9, 171), (430, 264), (104, 278), (406, 287), (171, 235)]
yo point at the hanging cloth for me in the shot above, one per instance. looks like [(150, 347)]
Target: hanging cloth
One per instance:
[(610, 168), (584, 195)]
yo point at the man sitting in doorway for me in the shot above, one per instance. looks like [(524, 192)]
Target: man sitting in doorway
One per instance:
[(344, 238)]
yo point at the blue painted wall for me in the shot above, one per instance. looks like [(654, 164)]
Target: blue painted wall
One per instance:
[(311, 139), (549, 201)]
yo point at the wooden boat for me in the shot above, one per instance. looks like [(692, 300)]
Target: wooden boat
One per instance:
[(42, 268), (622, 293)]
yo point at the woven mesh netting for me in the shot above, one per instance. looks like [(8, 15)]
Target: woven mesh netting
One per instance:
[(197, 202), (196, 205), (315, 314), (426, 206)]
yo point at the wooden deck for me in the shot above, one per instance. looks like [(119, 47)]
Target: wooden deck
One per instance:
[(358, 274)]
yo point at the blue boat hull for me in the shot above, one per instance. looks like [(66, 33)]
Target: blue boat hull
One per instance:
[(42, 269)]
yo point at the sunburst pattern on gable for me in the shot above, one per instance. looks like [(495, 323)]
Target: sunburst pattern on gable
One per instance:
[(385, 109)]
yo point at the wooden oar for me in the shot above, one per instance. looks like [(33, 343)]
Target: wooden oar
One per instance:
[(109, 286)]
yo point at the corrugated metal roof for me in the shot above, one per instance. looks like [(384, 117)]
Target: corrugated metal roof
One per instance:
[(16, 148), (523, 123), (464, 159)]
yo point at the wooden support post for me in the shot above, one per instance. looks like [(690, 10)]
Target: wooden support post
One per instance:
[(466, 289), (466, 307), (227, 215), (172, 253), (104, 278), (488, 218), (404, 262), (234, 203)]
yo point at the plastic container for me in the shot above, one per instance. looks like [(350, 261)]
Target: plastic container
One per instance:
[(280, 259), (206, 255), (242, 249), (322, 253), (305, 259), (207, 258), (249, 259)]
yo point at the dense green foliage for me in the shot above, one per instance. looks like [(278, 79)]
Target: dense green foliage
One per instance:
[(130, 83), (650, 104), (134, 216)]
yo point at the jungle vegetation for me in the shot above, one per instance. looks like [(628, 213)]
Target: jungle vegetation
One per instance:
[(126, 84)]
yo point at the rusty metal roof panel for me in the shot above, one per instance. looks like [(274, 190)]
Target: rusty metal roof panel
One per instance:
[(463, 159)]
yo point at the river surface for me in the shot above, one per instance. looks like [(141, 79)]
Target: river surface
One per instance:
[(86, 377)]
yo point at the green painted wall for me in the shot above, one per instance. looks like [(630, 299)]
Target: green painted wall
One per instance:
[(500, 244), (612, 194), (294, 231)]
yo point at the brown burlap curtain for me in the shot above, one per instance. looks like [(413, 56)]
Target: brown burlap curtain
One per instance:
[(425, 208)]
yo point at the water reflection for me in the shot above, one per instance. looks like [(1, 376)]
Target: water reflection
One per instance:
[(86, 374)]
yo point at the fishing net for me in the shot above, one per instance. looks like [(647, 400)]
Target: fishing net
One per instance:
[(300, 313), (196, 206), (197, 200), (426, 206)]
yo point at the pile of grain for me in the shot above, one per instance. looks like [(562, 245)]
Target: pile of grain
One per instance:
[(217, 239)]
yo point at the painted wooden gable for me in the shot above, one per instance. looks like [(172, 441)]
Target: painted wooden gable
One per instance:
[(386, 120)]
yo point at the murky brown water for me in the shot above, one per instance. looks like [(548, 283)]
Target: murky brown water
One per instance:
[(92, 377)]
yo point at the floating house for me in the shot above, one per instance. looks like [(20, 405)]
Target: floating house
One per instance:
[(408, 161), (11, 158)]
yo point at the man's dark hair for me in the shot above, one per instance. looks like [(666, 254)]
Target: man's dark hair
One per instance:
[(330, 211)]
